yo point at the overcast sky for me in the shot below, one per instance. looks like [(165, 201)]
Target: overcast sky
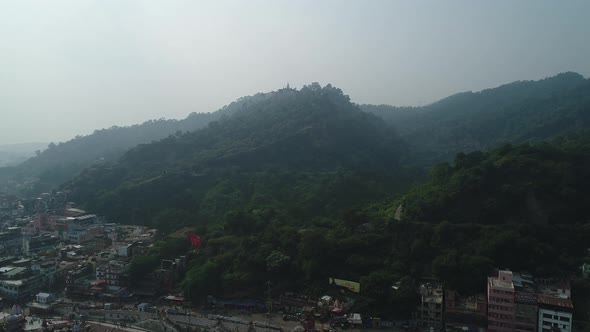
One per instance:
[(69, 67)]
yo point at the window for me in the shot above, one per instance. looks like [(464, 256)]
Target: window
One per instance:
[(564, 319)]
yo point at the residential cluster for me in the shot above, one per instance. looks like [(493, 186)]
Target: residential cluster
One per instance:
[(49, 247), (514, 302), (51, 251)]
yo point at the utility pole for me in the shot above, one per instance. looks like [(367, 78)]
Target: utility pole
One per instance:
[(269, 305), (268, 283)]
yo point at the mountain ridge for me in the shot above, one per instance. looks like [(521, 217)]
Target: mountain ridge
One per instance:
[(517, 112), (313, 133)]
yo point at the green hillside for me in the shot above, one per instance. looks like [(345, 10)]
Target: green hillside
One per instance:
[(302, 154), (519, 112), (60, 162), (297, 186)]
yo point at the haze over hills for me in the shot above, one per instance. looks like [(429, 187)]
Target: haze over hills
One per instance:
[(518, 112), (299, 205), (299, 185), (282, 147), (523, 111), (60, 162), (302, 185), (14, 154), (316, 133)]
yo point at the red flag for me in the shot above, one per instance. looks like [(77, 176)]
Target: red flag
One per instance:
[(195, 240)]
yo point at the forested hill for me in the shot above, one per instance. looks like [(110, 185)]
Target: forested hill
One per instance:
[(519, 112), (14, 154), (296, 186), (303, 154), (61, 162), (531, 184)]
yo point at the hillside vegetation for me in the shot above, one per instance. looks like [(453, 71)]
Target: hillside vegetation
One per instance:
[(297, 186), (519, 112), (298, 155), (60, 162), (532, 184)]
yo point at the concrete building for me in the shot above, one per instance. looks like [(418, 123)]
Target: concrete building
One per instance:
[(40, 243), (526, 305), (45, 298), (11, 240), (555, 307), (555, 314), (525, 312), (115, 273), (501, 304), (465, 313), (17, 290), (431, 307)]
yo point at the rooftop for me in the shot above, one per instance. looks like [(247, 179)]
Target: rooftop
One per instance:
[(555, 301), (14, 272), (497, 283), (5, 269), (12, 282), (526, 297)]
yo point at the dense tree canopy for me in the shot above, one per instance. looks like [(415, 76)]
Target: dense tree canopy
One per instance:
[(296, 186), (519, 112)]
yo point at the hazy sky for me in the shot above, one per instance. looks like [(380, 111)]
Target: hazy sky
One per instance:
[(69, 67)]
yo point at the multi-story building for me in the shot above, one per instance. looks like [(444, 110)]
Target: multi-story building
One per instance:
[(465, 313), (11, 240), (40, 243), (555, 307), (47, 268), (525, 307), (501, 305), (431, 306), (555, 314), (525, 312), (20, 289), (114, 273)]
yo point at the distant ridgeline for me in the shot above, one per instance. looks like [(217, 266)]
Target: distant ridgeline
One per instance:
[(297, 186), (61, 162), (304, 153), (519, 112)]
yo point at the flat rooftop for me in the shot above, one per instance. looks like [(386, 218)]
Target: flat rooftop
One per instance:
[(497, 283)]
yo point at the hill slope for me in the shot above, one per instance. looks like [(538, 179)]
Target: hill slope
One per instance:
[(305, 153), (535, 184), (13, 154), (61, 162), (298, 186), (519, 112)]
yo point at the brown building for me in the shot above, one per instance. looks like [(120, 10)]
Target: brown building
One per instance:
[(431, 306), (465, 313)]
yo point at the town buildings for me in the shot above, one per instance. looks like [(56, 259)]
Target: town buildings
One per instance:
[(431, 306), (555, 307), (501, 302), (465, 313), (518, 302)]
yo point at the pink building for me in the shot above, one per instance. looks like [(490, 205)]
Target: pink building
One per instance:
[(501, 305)]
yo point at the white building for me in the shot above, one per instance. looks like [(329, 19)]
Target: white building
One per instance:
[(17, 290), (555, 314), (45, 298)]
